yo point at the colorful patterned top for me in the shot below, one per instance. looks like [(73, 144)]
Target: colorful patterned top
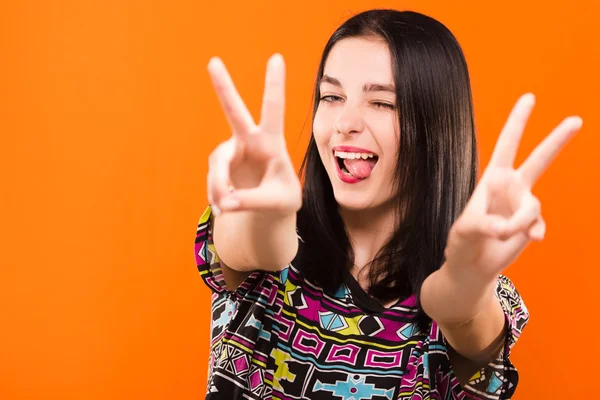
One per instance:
[(278, 336)]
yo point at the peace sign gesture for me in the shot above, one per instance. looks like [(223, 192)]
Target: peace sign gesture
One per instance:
[(252, 171), (503, 215)]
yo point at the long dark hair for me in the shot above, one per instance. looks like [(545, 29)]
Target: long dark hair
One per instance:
[(436, 167)]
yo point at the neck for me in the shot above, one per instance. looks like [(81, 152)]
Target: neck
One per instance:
[(368, 231)]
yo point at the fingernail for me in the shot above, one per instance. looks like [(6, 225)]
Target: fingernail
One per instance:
[(529, 97), (215, 210), (213, 62), (230, 202), (276, 58)]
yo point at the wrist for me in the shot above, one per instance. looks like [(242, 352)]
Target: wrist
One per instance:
[(452, 297), (472, 280)]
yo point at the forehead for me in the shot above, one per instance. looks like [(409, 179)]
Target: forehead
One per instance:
[(354, 61)]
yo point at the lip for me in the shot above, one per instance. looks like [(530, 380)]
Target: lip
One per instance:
[(343, 177), (352, 149)]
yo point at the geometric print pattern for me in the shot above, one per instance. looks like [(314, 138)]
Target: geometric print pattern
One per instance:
[(278, 336)]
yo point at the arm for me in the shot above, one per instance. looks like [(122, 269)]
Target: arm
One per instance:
[(249, 240), (501, 218), (252, 185), (469, 316)]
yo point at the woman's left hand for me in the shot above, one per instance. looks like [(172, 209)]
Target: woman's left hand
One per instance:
[(503, 216)]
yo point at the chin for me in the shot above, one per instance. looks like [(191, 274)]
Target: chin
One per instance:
[(353, 201), (363, 201)]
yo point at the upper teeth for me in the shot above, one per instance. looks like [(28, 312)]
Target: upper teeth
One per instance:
[(352, 156)]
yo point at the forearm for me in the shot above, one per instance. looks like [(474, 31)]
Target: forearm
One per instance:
[(467, 311), (248, 240)]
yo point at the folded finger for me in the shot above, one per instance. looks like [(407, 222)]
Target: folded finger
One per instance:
[(537, 230), (527, 213)]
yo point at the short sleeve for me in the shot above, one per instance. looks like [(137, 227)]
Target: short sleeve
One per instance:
[(498, 380), (208, 262)]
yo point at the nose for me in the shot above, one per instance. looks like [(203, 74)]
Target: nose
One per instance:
[(349, 121)]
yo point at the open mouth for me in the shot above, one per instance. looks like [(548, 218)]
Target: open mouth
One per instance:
[(356, 164)]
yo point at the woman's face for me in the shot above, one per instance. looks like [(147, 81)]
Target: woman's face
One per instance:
[(356, 123)]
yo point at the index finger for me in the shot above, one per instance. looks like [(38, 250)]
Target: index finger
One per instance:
[(237, 113)]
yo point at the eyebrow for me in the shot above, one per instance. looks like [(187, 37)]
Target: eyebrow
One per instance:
[(368, 87)]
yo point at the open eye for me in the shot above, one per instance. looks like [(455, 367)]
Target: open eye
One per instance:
[(331, 98)]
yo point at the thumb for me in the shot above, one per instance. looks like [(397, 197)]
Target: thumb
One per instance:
[(487, 225), (263, 198)]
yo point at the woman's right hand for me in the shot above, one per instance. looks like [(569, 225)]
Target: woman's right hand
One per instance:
[(252, 171)]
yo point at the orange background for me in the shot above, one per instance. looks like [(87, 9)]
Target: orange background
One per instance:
[(107, 117)]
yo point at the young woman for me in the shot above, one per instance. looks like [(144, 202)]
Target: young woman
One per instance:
[(379, 278)]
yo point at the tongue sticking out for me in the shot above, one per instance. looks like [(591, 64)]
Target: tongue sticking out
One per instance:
[(360, 168)]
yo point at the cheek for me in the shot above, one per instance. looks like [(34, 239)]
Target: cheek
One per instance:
[(322, 128), (388, 140)]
